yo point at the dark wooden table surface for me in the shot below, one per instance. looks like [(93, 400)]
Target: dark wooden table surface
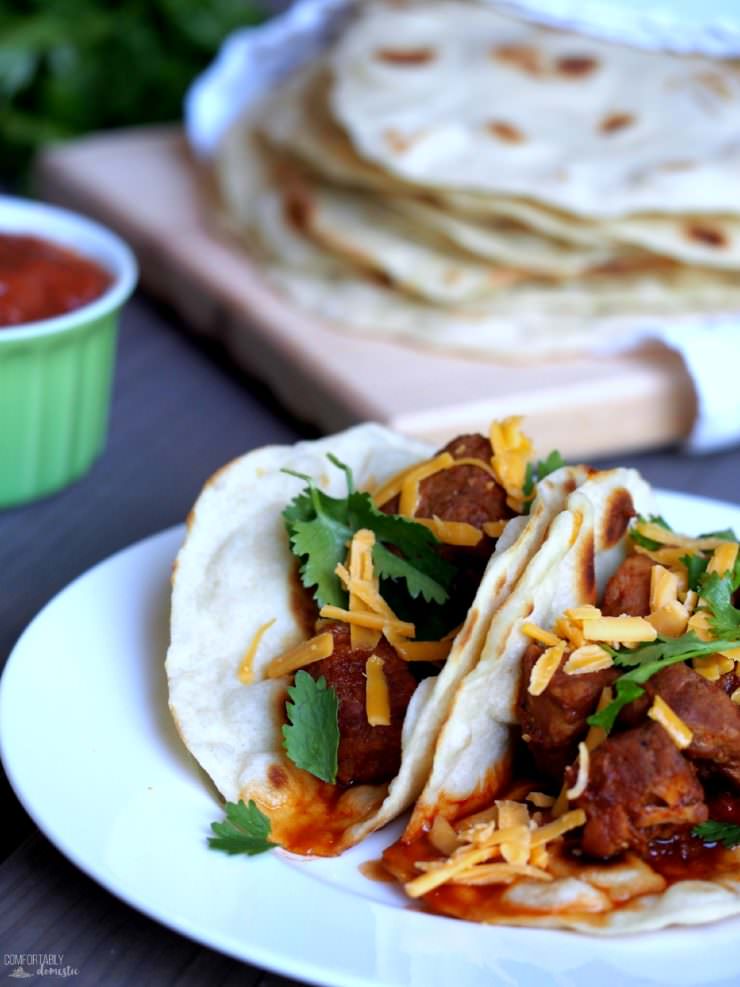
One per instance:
[(179, 412)]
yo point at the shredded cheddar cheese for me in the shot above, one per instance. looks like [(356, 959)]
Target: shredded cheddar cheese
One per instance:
[(501, 874), (375, 620), (377, 702), (699, 624), (581, 782), (663, 556), (361, 569), (419, 650), (541, 800), (512, 450), (541, 635), (670, 620), (674, 726), (571, 820), (315, 649), (544, 669), (452, 532), (624, 630), (656, 532), (246, 672), (494, 529), (586, 612), (711, 667), (597, 735), (443, 837), (515, 816), (589, 658), (723, 558), (570, 630), (663, 587), (409, 501), (498, 845)]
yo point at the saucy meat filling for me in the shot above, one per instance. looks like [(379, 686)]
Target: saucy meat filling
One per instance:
[(372, 754), (367, 754), (642, 790)]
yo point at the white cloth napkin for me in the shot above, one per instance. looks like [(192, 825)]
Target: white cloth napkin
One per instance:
[(253, 60)]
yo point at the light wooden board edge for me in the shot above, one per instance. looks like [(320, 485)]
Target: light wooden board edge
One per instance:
[(619, 404)]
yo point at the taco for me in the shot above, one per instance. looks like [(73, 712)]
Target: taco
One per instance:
[(327, 602), (617, 807)]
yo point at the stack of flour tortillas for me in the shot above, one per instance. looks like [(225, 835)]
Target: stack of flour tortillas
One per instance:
[(468, 181)]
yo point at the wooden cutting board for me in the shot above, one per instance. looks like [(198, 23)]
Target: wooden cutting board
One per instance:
[(143, 184)]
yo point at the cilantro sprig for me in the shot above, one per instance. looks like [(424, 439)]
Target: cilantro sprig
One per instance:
[(728, 834), (648, 661), (716, 593), (640, 539), (246, 830), (311, 736), (320, 528), (538, 471)]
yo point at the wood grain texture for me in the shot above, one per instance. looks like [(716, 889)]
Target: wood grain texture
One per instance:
[(142, 183)]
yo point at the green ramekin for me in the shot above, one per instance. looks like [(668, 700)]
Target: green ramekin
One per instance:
[(56, 374)]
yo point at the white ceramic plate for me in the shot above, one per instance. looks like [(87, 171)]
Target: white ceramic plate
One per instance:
[(91, 751)]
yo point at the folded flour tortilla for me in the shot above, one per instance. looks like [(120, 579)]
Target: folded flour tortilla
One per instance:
[(235, 572)]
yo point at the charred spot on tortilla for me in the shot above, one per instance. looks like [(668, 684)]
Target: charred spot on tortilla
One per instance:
[(523, 57), (506, 132), (277, 776), (297, 208), (618, 513), (616, 121), (585, 571), (468, 627), (707, 234), (405, 56), (677, 166), (381, 278), (576, 66), (397, 141), (716, 83)]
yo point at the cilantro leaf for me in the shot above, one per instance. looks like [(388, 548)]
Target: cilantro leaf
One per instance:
[(321, 527), (716, 592), (246, 830), (696, 566), (417, 543), (646, 662), (528, 485), (390, 566), (548, 465), (311, 737), (626, 690), (321, 543), (648, 543), (536, 472), (718, 832), (726, 534)]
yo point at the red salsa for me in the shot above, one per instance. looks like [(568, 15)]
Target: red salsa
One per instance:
[(39, 279)]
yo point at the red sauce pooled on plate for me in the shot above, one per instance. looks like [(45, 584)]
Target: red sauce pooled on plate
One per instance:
[(39, 279)]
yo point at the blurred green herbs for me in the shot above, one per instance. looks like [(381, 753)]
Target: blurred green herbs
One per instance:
[(72, 66)]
